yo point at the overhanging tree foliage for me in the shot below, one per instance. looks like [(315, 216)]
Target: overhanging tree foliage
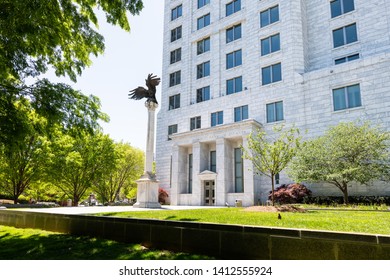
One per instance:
[(270, 155), (346, 153), (60, 33)]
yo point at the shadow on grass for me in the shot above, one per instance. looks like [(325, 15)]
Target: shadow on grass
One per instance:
[(37, 246)]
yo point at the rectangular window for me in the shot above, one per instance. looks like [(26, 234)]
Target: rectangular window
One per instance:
[(233, 59), (241, 113), (190, 167), (238, 171), (339, 7), (217, 118), (275, 112), (233, 33), (195, 123), (202, 94), (344, 35), (174, 78), (269, 16), (233, 7), (213, 161), (171, 130), (203, 21), (346, 58), (203, 70), (346, 97), (176, 12), (174, 101), (202, 3), (271, 74), (203, 46), (270, 44), (234, 85), (175, 55), (176, 34)]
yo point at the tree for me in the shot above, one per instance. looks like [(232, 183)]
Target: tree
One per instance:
[(78, 161), (346, 153), (59, 33), (23, 158), (128, 168), (271, 155)]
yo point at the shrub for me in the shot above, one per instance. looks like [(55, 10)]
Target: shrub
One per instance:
[(291, 193), (162, 195)]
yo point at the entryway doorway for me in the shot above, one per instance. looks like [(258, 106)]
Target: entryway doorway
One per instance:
[(209, 192)]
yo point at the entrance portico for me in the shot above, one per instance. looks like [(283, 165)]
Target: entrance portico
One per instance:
[(208, 169)]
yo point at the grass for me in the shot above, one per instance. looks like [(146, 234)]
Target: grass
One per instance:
[(32, 244), (372, 222)]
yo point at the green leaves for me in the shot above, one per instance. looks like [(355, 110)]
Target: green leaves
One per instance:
[(59, 33), (348, 152)]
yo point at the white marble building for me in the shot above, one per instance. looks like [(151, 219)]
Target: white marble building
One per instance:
[(232, 67)]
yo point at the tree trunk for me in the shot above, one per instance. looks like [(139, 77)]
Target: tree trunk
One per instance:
[(273, 189), (345, 193)]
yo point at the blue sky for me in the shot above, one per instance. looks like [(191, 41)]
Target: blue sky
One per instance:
[(128, 59)]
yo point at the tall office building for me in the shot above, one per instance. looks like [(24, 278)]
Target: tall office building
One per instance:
[(233, 67)]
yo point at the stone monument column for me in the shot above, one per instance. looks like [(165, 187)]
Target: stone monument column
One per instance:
[(147, 191)]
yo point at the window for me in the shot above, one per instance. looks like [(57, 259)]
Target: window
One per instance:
[(203, 21), (202, 3), (234, 85), (176, 34), (175, 55), (176, 12), (190, 165), (233, 59), (270, 44), (347, 58), (233, 33), (275, 112), (233, 7), (174, 79), (346, 97), (171, 130), (344, 35), (203, 94), (271, 74), (277, 178), (203, 46), (217, 118), (213, 161), (203, 70), (241, 113), (238, 171), (339, 7), (174, 101), (269, 16), (195, 123)]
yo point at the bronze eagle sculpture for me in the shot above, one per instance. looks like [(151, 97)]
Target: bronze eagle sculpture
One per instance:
[(140, 92)]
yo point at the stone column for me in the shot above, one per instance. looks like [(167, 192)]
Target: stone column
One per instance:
[(147, 191)]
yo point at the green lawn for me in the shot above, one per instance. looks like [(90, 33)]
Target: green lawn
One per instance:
[(374, 222), (33, 244)]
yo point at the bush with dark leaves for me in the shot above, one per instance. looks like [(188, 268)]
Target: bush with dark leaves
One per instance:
[(290, 193)]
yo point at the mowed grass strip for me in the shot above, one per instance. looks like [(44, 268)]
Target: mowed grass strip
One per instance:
[(33, 244), (343, 221)]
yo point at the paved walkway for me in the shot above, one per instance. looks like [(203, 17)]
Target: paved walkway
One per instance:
[(102, 209)]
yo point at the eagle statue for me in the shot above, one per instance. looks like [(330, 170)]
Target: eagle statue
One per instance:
[(140, 92)]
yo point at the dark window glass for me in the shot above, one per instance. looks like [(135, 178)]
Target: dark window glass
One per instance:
[(202, 3), (234, 85), (202, 94), (241, 113), (174, 102), (233, 33), (339, 7), (346, 97), (238, 171), (217, 118), (175, 55), (176, 34), (213, 161), (271, 74), (269, 16), (344, 35), (203, 21), (203, 70), (174, 78), (233, 7), (270, 44), (195, 123), (275, 112), (233, 59), (347, 58), (203, 46), (176, 12)]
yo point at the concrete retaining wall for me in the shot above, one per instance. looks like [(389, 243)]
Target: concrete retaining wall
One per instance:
[(221, 241)]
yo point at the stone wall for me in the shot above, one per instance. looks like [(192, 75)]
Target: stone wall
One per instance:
[(221, 241)]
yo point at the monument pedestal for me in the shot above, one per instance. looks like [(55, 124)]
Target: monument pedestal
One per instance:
[(147, 192)]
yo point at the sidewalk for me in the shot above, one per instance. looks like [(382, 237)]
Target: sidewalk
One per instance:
[(102, 209)]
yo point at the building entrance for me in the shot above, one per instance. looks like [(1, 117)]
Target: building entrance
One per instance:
[(209, 192)]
